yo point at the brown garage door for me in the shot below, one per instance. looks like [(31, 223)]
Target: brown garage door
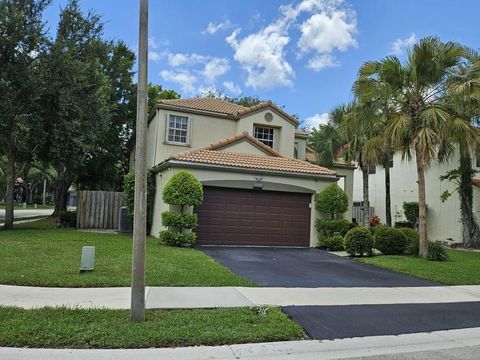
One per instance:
[(253, 217)]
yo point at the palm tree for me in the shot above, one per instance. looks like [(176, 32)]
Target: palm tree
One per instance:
[(421, 120), (41, 171), (379, 149)]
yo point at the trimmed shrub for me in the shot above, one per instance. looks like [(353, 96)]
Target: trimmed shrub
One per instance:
[(410, 209), (177, 220), (332, 243), (68, 219), (358, 241), (436, 252), (174, 238), (182, 189), (129, 192), (330, 227), (332, 201), (390, 241), (413, 240)]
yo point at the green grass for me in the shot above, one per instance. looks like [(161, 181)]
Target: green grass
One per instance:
[(461, 268), (37, 254), (27, 218), (99, 328)]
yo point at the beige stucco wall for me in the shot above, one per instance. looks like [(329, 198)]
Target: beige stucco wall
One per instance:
[(302, 145), (243, 181), (284, 130), (205, 130), (443, 218)]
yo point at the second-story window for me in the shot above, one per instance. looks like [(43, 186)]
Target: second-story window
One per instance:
[(177, 129), (264, 135)]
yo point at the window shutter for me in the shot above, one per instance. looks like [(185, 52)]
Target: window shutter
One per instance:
[(189, 130), (166, 127)]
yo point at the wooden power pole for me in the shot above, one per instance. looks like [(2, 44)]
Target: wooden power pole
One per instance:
[(137, 309)]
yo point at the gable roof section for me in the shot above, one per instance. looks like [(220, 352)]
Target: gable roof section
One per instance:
[(244, 136), (222, 107), (210, 155)]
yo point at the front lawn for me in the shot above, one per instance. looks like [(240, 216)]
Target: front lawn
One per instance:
[(461, 268), (98, 328), (37, 254)]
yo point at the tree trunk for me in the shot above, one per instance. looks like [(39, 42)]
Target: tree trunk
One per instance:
[(61, 190), (10, 187), (470, 228), (44, 195), (388, 206), (422, 207), (366, 201)]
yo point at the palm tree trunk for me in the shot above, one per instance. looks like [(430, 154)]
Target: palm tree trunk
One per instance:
[(388, 206), (470, 228), (366, 202), (422, 207), (10, 188)]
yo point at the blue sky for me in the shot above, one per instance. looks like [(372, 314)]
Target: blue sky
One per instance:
[(303, 55)]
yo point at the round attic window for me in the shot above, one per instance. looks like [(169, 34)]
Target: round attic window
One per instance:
[(268, 116)]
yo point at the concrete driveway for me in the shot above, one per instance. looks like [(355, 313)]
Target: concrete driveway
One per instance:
[(283, 267)]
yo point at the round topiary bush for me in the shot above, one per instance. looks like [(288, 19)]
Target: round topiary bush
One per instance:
[(183, 189), (390, 241), (413, 240), (332, 201), (358, 241), (330, 227)]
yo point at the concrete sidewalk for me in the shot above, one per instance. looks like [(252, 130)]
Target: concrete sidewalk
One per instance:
[(212, 297), (463, 340)]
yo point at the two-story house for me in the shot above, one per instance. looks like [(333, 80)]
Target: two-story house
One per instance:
[(258, 188)]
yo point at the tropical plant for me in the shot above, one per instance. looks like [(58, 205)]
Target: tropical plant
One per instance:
[(42, 173), (422, 124)]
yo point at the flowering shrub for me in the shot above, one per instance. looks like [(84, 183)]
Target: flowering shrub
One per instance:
[(374, 220)]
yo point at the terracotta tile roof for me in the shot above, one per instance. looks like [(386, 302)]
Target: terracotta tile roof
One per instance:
[(223, 107), (252, 161), (299, 132), (311, 156), (206, 104)]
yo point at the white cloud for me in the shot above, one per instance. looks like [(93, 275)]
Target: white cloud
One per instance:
[(212, 28), (214, 68), (193, 72), (154, 55), (232, 88), (319, 62), (330, 26), (317, 119), (179, 59), (184, 79), (262, 56), (333, 29), (400, 45)]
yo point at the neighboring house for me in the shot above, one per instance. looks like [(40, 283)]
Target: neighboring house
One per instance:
[(258, 190), (443, 218)]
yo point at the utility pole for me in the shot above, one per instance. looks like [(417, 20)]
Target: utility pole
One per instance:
[(137, 308)]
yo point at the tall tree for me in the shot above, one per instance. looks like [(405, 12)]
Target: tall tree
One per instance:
[(22, 39), (422, 118), (379, 148), (75, 104)]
